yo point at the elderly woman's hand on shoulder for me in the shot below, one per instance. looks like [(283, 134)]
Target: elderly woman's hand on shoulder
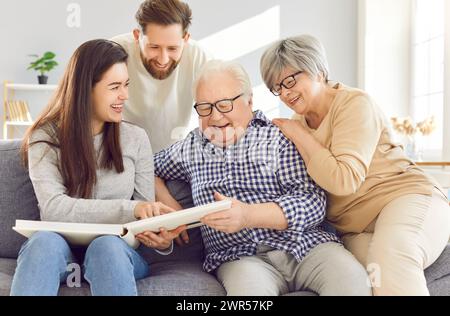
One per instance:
[(292, 129)]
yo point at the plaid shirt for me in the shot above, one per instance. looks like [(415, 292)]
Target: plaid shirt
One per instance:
[(263, 166)]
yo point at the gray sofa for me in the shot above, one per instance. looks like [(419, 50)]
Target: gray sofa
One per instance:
[(178, 274)]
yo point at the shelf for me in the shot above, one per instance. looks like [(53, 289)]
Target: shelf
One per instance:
[(433, 164), (14, 123), (31, 87), (20, 110)]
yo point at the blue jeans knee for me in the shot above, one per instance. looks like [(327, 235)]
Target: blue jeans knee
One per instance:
[(41, 265), (113, 253), (45, 246)]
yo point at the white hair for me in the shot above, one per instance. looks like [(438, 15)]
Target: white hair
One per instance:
[(302, 53), (221, 66)]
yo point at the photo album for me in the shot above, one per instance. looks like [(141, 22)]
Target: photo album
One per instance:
[(81, 234)]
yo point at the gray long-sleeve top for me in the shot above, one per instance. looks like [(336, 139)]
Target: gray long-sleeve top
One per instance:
[(111, 201)]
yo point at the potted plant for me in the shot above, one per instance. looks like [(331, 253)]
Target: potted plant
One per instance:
[(43, 64)]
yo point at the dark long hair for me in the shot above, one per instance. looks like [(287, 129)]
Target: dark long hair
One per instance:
[(69, 117)]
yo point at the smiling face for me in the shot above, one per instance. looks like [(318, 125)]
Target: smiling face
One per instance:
[(109, 95), (161, 48), (302, 97), (224, 129)]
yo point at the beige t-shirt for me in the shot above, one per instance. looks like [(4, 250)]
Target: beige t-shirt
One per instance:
[(162, 108), (361, 167)]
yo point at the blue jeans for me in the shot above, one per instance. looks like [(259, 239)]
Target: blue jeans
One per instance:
[(110, 266)]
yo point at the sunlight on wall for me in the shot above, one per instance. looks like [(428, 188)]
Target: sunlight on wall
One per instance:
[(245, 37), (241, 39)]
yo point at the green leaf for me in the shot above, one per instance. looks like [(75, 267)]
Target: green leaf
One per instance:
[(50, 63), (43, 64), (40, 61), (49, 55)]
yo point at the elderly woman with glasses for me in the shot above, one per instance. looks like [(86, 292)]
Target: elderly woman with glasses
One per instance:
[(393, 217)]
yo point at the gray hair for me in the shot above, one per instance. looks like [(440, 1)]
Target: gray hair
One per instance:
[(220, 66), (303, 53)]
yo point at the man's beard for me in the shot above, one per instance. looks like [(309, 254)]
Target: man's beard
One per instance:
[(155, 72)]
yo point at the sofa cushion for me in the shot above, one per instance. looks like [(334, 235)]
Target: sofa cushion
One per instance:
[(7, 267), (180, 279), (440, 287), (440, 268), (17, 199), (167, 279)]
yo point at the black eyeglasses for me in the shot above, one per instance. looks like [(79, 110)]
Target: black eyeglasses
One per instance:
[(223, 106), (286, 83)]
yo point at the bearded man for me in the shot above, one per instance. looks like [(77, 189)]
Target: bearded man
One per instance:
[(163, 62)]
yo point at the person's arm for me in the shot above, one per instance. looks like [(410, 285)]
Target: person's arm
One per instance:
[(170, 162), (144, 187), (243, 215), (144, 190), (301, 206), (163, 195), (56, 205), (303, 202), (147, 186), (356, 131), (267, 215), (169, 165), (305, 143)]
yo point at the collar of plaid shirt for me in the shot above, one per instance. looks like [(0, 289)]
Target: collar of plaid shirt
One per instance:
[(258, 120)]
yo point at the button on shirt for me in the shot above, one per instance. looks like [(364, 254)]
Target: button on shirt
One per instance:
[(262, 167)]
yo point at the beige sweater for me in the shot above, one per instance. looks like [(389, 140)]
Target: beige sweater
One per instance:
[(361, 167)]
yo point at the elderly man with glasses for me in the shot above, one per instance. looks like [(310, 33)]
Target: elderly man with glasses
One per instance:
[(270, 242)]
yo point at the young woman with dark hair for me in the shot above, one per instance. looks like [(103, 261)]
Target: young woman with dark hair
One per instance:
[(88, 166)]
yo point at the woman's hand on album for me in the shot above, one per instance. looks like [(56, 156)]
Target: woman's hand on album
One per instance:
[(161, 240), (150, 209)]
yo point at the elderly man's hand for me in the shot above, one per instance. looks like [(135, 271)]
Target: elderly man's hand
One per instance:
[(229, 221)]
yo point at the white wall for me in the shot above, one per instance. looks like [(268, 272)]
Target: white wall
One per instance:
[(35, 26)]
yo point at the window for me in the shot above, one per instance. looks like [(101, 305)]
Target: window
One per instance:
[(404, 63), (427, 97)]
